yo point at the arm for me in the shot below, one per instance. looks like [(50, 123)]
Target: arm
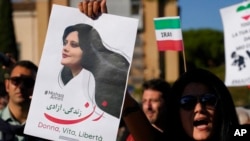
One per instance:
[(137, 122)]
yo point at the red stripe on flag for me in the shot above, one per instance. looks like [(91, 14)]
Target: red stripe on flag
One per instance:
[(176, 45)]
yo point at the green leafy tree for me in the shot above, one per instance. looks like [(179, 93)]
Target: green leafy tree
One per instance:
[(204, 47), (7, 33)]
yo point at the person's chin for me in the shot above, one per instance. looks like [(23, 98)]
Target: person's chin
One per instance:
[(200, 138), (23, 99), (151, 119), (201, 135), (64, 61)]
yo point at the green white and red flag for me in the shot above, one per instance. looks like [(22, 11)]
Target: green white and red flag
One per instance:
[(168, 33)]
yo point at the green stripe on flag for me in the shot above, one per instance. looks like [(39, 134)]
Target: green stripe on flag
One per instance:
[(166, 23)]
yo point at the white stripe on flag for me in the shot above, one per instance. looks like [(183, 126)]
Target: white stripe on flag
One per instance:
[(168, 34)]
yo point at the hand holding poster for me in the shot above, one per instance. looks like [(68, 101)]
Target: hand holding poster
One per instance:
[(236, 23), (82, 76)]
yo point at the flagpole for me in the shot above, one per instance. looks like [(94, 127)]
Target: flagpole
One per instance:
[(184, 59)]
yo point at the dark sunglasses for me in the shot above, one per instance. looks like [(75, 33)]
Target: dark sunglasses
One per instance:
[(208, 100), (27, 82)]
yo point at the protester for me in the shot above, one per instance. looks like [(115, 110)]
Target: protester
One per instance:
[(137, 122), (202, 108), (19, 86), (154, 97)]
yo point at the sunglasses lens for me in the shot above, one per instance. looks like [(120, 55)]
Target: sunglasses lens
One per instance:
[(188, 102), (209, 100), (28, 82), (25, 81), (15, 80)]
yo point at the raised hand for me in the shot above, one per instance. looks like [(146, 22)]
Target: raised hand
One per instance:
[(93, 8)]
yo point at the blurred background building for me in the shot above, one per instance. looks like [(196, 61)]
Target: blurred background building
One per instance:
[(31, 18)]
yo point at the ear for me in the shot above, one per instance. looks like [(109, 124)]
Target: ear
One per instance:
[(7, 85)]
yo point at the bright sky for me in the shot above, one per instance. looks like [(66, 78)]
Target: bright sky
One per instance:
[(196, 14)]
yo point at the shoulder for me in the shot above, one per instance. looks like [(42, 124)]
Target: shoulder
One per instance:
[(5, 113)]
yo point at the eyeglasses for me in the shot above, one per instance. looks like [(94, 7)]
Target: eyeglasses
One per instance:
[(27, 82), (208, 100)]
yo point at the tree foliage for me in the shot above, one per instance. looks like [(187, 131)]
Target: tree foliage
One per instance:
[(7, 32), (204, 47)]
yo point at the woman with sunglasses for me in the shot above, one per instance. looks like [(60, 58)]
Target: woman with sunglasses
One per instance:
[(202, 108), (19, 86)]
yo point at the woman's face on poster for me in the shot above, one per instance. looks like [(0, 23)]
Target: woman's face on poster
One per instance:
[(71, 53)]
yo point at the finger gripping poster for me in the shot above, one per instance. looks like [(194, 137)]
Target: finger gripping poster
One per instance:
[(82, 76)]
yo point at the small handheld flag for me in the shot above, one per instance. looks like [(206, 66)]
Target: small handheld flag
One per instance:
[(168, 33)]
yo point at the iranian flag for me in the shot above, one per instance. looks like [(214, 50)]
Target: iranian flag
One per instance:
[(168, 33)]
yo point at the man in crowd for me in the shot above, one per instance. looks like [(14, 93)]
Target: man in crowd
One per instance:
[(154, 98), (19, 86)]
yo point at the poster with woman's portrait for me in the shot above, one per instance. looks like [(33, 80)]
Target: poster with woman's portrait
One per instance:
[(82, 76)]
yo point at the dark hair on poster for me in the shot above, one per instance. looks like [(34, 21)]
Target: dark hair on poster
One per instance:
[(109, 68)]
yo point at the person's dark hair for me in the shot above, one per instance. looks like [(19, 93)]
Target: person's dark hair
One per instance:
[(158, 84), (26, 64), (225, 113), (108, 67)]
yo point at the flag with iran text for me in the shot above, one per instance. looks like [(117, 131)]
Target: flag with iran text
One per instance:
[(168, 33)]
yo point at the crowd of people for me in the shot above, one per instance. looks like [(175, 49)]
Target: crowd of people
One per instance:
[(197, 107)]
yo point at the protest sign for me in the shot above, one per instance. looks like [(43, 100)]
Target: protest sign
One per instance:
[(236, 24), (82, 76)]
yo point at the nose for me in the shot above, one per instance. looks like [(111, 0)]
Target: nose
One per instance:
[(66, 47), (198, 107), (147, 104)]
